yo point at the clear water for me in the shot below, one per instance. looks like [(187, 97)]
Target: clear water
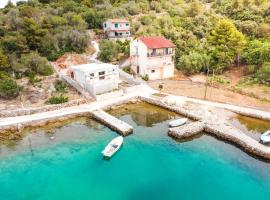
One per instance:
[(250, 126), (150, 165)]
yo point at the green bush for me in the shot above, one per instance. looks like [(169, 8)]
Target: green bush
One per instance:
[(113, 50), (37, 64), (263, 74), (218, 79), (57, 100), (8, 88), (61, 86), (3, 75), (32, 77), (145, 78), (146, 20), (127, 69)]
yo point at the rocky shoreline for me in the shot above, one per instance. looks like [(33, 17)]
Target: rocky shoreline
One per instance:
[(207, 120)]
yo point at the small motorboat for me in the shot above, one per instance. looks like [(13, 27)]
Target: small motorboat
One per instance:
[(265, 138), (178, 122), (113, 147)]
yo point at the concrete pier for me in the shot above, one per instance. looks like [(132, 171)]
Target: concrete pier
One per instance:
[(186, 131), (115, 124)]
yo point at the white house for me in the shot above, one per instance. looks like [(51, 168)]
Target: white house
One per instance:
[(96, 78), (152, 57), (116, 28)]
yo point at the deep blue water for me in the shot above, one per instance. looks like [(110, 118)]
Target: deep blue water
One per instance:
[(150, 165)]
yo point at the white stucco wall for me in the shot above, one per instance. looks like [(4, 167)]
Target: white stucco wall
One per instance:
[(94, 84), (109, 29), (162, 65), (141, 58)]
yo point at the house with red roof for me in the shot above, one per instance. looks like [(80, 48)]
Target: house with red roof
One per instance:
[(116, 29), (152, 57)]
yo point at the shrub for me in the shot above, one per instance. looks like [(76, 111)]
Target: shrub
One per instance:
[(36, 63), (127, 69), (57, 100), (193, 62), (8, 88), (146, 20), (146, 77), (257, 52), (263, 74), (133, 8), (108, 50), (61, 86), (3, 75)]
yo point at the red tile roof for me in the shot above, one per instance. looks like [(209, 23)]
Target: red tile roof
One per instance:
[(157, 42)]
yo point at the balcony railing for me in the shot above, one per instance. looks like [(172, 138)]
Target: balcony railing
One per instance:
[(159, 54)]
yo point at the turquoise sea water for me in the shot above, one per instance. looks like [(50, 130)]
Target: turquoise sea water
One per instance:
[(150, 165)]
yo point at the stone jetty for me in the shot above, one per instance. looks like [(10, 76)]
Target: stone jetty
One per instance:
[(186, 131), (213, 124), (237, 137), (115, 124)]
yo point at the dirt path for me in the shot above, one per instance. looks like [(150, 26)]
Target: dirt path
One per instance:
[(197, 90)]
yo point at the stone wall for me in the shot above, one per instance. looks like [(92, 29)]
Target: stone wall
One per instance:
[(29, 111), (178, 110), (18, 128), (186, 131)]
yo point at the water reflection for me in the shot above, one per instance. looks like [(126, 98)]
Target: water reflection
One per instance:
[(251, 126), (144, 114)]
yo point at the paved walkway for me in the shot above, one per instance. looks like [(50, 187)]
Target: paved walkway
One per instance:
[(260, 114), (64, 112)]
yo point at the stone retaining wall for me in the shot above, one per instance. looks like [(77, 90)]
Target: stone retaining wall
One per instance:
[(178, 110), (29, 111), (18, 128)]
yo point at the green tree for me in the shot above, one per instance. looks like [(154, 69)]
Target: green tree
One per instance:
[(193, 62), (33, 32), (194, 8), (227, 41), (108, 51), (257, 52)]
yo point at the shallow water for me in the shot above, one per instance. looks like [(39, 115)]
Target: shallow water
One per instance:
[(149, 165), (251, 126)]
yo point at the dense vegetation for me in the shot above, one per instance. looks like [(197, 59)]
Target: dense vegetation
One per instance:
[(209, 35)]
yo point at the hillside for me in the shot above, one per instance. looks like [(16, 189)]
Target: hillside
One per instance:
[(209, 35)]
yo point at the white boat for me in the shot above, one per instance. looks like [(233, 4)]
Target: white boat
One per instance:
[(113, 147), (265, 138), (178, 122)]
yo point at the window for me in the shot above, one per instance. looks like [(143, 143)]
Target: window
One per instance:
[(116, 25), (92, 75), (154, 52), (166, 51), (127, 24), (153, 71), (105, 25), (101, 75)]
